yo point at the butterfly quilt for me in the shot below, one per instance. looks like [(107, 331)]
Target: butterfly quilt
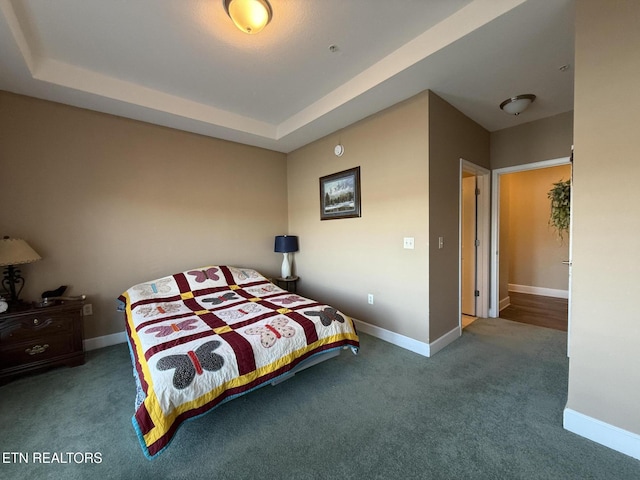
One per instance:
[(205, 336)]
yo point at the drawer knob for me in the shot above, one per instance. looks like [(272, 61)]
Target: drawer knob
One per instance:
[(37, 349), (36, 321)]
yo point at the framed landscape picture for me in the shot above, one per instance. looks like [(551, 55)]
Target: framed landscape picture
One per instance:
[(340, 195)]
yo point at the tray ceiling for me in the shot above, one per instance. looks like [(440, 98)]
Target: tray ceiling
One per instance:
[(183, 64)]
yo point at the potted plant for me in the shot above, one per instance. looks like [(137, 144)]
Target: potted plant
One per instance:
[(560, 196)]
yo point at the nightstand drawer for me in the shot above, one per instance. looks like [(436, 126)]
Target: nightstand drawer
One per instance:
[(35, 338), (37, 350), (36, 326)]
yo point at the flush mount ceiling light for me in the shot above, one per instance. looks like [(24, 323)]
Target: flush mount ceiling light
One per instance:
[(518, 104), (250, 16)]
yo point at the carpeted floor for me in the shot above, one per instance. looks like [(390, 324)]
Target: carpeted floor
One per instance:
[(489, 406)]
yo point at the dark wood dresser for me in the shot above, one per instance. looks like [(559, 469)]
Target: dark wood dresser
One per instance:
[(36, 338)]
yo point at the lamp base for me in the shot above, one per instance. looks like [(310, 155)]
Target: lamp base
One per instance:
[(286, 266), (11, 280)]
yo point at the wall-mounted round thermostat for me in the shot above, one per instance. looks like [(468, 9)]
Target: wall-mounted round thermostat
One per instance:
[(338, 150)]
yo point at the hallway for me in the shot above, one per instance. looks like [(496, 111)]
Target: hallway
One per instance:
[(549, 312)]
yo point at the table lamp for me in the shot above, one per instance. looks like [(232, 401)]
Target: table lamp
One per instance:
[(15, 251), (286, 244)]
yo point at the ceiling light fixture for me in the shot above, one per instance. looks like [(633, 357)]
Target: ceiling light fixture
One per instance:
[(518, 104), (250, 16)]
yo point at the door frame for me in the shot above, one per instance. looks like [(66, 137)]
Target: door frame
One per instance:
[(483, 226), (494, 311)]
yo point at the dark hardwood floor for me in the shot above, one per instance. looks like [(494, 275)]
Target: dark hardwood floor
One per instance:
[(537, 310)]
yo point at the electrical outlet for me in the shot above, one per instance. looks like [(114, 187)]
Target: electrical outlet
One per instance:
[(87, 309), (409, 243), (370, 299)]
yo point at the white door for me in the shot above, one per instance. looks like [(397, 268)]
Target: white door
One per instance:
[(469, 245), (569, 262), (475, 257)]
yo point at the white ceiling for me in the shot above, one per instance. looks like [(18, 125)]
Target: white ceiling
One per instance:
[(183, 64)]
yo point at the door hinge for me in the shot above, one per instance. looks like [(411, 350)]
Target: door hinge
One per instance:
[(477, 242), (477, 293)]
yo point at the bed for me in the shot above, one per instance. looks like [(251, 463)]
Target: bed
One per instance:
[(207, 335)]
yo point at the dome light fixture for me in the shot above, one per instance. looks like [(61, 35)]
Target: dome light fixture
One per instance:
[(250, 16), (518, 104)]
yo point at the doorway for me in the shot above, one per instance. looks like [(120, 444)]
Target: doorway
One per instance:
[(474, 242), (528, 260)]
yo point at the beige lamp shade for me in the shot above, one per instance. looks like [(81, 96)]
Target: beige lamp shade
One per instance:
[(15, 251)]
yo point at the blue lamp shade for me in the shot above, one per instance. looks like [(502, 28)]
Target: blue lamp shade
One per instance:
[(286, 244)]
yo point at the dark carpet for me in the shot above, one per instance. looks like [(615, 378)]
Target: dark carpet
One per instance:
[(488, 406)]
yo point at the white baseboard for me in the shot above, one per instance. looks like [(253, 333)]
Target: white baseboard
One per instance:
[(105, 341), (449, 337), (546, 292), (421, 348), (426, 349), (504, 303), (598, 431)]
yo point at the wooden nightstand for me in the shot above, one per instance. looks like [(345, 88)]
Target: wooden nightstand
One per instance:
[(287, 283), (36, 338)]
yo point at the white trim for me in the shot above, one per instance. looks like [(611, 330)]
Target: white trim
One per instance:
[(495, 223), (554, 162), (505, 302), (603, 433), (569, 265), (416, 346), (426, 349), (392, 337), (441, 342), (546, 292), (105, 341)]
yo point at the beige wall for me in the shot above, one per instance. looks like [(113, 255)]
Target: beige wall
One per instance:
[(452, 136), (535, 252), (341, 261), (110, 202), (536, 141), (604, 373), (531, 142)]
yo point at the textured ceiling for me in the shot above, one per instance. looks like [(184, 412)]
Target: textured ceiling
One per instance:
[(183, 64)]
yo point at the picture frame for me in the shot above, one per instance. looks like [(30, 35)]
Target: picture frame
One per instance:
[(340, 195)]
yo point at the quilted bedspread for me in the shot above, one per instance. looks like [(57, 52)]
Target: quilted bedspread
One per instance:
[(204, 336)]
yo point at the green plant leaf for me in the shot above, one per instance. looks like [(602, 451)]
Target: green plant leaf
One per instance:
[(560, 215)]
